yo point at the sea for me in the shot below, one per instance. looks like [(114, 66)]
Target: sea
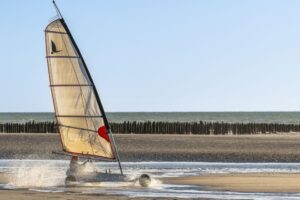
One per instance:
[(231, 117)]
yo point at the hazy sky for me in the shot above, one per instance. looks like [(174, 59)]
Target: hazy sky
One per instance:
[(154, 55)]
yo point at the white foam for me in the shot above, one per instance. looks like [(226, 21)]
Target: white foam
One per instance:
[(37, 174)]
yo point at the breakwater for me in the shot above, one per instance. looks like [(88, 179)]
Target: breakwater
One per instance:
[(133, 127), (120, 117)]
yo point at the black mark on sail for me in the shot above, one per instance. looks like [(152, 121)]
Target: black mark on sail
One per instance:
[(53, 48)]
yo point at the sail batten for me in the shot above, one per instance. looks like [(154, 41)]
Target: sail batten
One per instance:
[(90, 116), (77, 128), (62, 57), (78, 109), (71, 85), (57, 32)]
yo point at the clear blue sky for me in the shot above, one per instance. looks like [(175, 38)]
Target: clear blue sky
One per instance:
[(154, 55)]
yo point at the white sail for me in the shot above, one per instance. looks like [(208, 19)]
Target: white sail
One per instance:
[(77, 105)]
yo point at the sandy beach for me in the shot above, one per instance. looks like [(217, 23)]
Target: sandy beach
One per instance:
[(34, 194), (235, 182), (31, 195), (249, 182), (134, 147), (283, 183), (246, 148)]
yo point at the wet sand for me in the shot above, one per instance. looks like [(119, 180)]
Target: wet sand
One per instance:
[(26, 194), (249, 182), (134, 147), (31, 195)]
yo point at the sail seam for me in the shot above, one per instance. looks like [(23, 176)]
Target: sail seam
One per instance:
[(68, 153), (88, 116), (73, 127), (57, 32), (71, 85), (62, 57)]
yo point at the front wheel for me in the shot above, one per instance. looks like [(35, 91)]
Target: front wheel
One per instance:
[(144, 180)]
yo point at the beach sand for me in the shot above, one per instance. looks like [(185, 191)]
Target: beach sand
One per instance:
[(26, 194), (138, 147), (249, 182), (246, 148), (31, 195)]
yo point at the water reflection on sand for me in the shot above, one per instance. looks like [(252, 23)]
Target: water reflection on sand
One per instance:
[(49, 175)]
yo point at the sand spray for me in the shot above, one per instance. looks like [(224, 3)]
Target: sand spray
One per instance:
[(41, 174), (37, 174)]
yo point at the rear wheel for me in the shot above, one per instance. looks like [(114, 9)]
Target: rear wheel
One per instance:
[(70, 179)]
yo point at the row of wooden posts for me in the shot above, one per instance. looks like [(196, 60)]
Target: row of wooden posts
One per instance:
[(133, 127)]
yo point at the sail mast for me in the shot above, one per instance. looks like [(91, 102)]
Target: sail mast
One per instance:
[(94, 87), (57, 10)]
